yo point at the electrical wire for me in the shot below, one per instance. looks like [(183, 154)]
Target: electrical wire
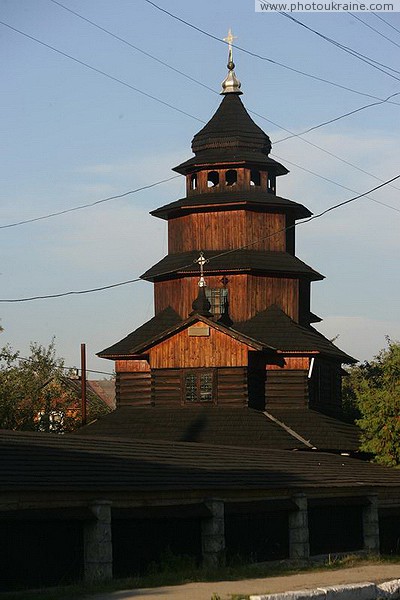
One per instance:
[(184, 112), (381, 101), (366, 59), (64, 368), (162, 62), (124, 41), (100, 72), (259, 56), (373, 29), (333, 120), (180, 268), (82, 206), (386, 22), (344, 187), (261, 116), (312, 218)]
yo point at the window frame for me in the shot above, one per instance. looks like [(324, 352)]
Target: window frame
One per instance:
[(198, 373), (212, 294)]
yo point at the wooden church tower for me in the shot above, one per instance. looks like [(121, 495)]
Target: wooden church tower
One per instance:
[(232, 324)]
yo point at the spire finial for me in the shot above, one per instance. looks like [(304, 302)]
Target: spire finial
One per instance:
[(201, 305), (201, 262), (229, 39), (231, 83)]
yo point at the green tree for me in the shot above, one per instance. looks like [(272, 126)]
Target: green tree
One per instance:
[(35, 394), (372, 395)]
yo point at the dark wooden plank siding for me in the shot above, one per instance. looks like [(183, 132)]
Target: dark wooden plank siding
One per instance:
[(183, 351), (326, 387), (304, 301), (166, 386), (133, 389), (286, 388), (248, 294), (226, 229), (232, 387)]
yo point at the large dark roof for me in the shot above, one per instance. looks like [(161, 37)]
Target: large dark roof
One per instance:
[(267, 261), (270, 329), (275, 328), (251, 198), (161, 322), (231, 134), (40, 462), (229, 427), (321, 431)]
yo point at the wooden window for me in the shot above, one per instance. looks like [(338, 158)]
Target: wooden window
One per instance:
[(198, 385), (217, 297)]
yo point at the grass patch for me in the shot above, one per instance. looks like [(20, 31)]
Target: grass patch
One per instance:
[(179, 570)]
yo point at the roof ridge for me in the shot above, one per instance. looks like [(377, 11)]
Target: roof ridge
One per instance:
[(289, 430)]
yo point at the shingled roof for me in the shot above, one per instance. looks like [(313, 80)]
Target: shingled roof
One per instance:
[(252, 198), (152, 328), (229, 261), (39, 462), (231, 134), (275, 328), (138, 342), (321, 431), (229, 427)]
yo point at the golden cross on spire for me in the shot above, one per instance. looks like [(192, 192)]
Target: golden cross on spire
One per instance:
[(229, 39)]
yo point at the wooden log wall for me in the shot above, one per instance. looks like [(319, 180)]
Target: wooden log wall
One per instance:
[(232, 387), (133, 383), (225, 230), (326, 387), (133, 389), (286, 388), (167, 387), (248, 294), (185, 351)]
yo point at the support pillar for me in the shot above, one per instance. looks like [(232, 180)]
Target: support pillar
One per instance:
[(371, 525), (213, 535), (97, 543), (299, 545)]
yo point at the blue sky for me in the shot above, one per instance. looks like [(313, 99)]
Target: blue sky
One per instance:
[(71, 136)]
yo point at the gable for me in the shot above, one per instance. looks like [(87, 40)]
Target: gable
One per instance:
[(199, 344)]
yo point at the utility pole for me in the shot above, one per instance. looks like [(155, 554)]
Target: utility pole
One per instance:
[(83, 383)]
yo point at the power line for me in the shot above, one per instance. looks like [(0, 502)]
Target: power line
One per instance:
[(312, 218), (386, 22), (333, 120), (380, 101), (135, 89), (65, 368), (344, 187), (98, 289), (366, 59), (99, 71), (173, 107), (72, 293), (124, 41), (82, 206), (207, 87), (259, 56), (373, 29)]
